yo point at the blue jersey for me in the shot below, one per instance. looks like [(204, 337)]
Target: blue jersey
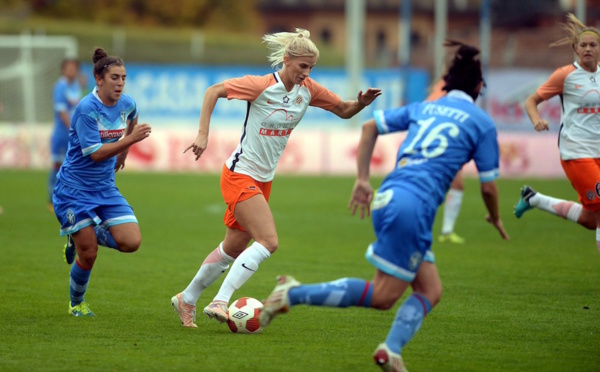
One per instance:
[(92, 125), (442, 136), (65, 97)]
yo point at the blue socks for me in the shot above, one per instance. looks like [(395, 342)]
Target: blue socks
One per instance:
[(407, 322), (358, 292), (104, 237), (51, 183), (340, 293), (79, 283)]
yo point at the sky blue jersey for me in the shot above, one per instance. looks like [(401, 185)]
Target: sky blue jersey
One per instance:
[(442, 136), (65, 97), (92, 125)]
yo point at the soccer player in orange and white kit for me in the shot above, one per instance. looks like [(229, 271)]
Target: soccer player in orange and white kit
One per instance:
[(276, 104), (579, 138)]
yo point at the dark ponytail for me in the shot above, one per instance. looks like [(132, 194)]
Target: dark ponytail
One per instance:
[(464, 72), (102, 61)]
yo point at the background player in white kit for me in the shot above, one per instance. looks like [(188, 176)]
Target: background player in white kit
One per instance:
[(276, 104), (579, 142)]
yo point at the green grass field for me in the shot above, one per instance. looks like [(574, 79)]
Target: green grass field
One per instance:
[(529, 304)]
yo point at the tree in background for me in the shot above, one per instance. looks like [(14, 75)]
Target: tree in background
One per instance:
[(226, 14)]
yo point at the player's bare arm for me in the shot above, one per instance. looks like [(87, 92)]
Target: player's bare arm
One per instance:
[(213, 93)]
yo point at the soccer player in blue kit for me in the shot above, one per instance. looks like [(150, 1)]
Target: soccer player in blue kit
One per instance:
[(88, 205), (442, 136), (66, 95)]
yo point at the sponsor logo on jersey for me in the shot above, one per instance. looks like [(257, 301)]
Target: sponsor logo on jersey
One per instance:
[(286, 100), (405, 162), (123, 116), (288, 117), (110, 134), (274, 132)]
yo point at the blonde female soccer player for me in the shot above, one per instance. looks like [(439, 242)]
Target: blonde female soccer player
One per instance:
[(579, 138), (441, 137), (276, 104)]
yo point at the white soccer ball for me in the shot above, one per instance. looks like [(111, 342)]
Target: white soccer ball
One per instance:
[(243, 315)]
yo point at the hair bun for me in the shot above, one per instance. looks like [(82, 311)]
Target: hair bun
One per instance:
[(468, 52), (99, 53)]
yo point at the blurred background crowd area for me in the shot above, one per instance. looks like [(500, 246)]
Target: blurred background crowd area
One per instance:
[(174, 50), (229, 31)]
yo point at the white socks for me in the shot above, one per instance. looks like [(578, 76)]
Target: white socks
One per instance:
[(215, 264), (451, 210), (242, 269), (565, 209)]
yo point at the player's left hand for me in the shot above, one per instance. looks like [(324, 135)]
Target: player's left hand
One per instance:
[(362, 195), (368, 96), (499, 226), (120, 164)]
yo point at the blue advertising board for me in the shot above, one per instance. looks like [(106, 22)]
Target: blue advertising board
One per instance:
[(172, 94)]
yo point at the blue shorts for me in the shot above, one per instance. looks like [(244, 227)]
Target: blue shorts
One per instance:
[(403, 225), (58, 148), (76, 209)]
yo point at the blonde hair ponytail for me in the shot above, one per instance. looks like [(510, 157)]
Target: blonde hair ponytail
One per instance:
[(293, 44), (574, 28)]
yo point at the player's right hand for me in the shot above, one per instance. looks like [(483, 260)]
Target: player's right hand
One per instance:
[(499, 226), (362, 195)]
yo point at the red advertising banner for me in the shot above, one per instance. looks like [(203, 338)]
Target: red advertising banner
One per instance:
[(309, 151)]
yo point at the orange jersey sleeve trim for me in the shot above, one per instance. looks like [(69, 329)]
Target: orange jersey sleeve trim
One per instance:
[(321, 96), (555, 83), (436, 91), (249, 87)]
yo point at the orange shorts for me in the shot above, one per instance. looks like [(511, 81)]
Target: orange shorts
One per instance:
[(236, 188), (584, 175)]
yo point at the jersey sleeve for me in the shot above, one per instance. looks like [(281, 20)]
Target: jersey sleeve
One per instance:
[(88, 134), (393, 120), (555, 83), (61, 104), (487, 154), (134, 113), (247, 88), (320, 96)]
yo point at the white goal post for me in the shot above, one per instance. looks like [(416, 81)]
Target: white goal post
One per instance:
[(29, 68)]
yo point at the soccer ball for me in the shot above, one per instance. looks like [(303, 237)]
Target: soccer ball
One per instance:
[(243, 315)]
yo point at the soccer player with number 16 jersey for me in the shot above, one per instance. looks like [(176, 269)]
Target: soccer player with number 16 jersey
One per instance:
[(442, 136)]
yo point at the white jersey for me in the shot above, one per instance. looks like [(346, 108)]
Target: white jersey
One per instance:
[(272, 114), (579, 135)]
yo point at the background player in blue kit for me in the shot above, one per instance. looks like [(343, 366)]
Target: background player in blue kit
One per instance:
[(442, 136), (66, 95), (87, 203)]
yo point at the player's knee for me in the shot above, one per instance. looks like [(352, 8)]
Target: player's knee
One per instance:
[(383, 301), (86, 255), (130, 244), (271, 243), (432, 294)]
